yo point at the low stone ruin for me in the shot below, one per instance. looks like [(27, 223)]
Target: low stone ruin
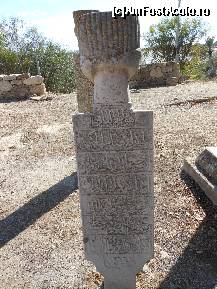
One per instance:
[(21, 86), (156, 74)]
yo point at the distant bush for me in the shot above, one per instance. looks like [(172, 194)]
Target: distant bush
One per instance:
[(160, 41), (196, 65), (26, 50), (202, 61), (197, 61)]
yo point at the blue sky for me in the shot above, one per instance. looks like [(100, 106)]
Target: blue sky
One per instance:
[(54, 17)]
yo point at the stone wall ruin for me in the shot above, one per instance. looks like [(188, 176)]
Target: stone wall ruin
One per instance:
[(21, 86), (156, 74)]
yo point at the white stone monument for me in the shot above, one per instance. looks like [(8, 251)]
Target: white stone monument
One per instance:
[(114, 150)]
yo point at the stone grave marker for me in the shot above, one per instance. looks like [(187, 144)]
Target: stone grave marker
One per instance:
[(114, 151), (203, 170)]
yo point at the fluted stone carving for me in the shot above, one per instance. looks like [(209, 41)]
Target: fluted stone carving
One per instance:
[(114, 151), (105, 42), (84, 86)]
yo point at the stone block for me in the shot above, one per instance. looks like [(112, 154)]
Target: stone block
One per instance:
[(10, 77), (203, 171), (23, 76), (16, 89), (115, 162), (16, 82), (33, 80), (172, 81), (18, 92), (156, 72), (39, 89), (207, 163), (5, 86), (167, 69)]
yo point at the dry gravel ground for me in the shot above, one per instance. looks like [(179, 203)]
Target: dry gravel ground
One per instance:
[(40, 229)]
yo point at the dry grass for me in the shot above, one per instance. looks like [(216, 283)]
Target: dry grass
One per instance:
[(40, 229)]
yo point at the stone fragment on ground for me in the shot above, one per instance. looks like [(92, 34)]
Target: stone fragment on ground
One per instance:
[(204, 171), (41, 97)]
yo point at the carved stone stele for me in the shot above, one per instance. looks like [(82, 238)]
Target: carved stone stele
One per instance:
[(114, 151)]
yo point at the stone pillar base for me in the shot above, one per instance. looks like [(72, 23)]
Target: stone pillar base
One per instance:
[(122, 280)]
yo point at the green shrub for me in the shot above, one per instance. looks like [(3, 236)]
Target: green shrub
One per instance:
[(25, 50), (196, 65)]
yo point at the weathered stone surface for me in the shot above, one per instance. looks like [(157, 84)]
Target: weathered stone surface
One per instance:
[(10, 77), (14, 87), (33, 80), (19, 92), (84, 87), (114, 151), (77, 15), (23, 76), (39, 89), (172, 81), (5, 86), (41, 97), (116, 45), (156, 74), (16, 82), (204, 171), (166, 67), (207, 163)]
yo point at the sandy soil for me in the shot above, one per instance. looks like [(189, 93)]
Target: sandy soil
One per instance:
[(40, 228)]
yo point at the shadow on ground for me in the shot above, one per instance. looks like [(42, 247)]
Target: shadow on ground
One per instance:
[(13, 99), (196, 268), (25, 216)]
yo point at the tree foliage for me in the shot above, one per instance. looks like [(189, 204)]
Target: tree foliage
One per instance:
[(211, 67), (197, 67), (160, 40), (24, 49)]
